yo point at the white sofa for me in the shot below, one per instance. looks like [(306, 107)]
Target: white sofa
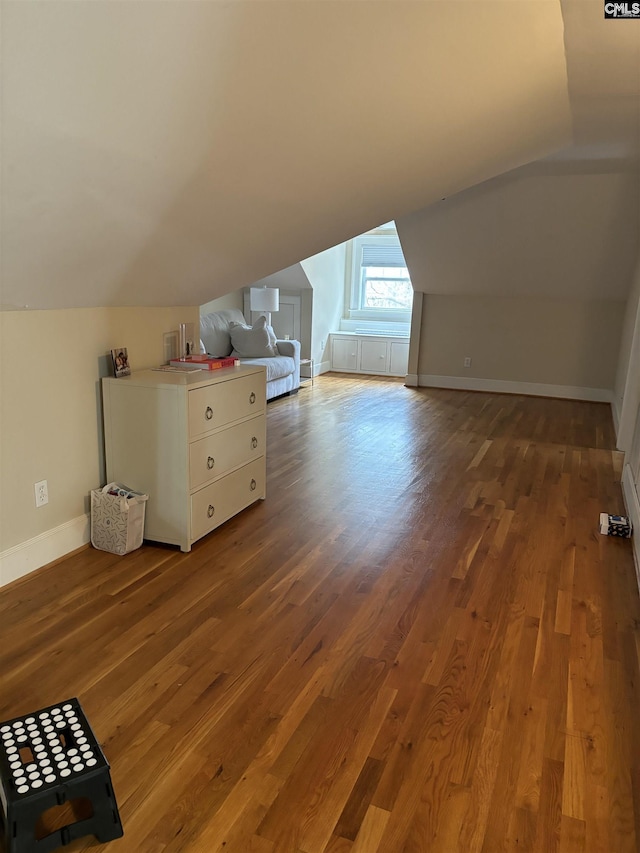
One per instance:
[(281, 358)]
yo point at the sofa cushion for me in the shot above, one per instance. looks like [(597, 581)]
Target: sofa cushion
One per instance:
[(252, 341), (277, 367), (214, 331)]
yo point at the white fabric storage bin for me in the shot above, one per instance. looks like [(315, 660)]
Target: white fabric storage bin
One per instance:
[(117, 520)]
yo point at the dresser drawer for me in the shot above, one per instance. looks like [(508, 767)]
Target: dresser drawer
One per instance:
[(216, 405), (218, 453), (216, 503)]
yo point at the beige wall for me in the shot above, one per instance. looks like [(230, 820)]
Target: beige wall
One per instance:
[(541, 231), (50, 420), (528, 275), (627, 409), (630, 330), (526, 340), (325, 272), (627, 387)]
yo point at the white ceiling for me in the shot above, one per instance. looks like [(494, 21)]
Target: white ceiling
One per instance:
[(167, 153)]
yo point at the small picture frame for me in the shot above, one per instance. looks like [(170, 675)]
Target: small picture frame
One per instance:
[(120, 359)]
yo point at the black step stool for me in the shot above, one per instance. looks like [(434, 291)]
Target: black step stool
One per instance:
[(48, 758)]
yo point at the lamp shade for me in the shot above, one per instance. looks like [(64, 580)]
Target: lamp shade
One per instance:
[(264, 298)]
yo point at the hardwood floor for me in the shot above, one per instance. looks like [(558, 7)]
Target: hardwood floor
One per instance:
[(419, 643)]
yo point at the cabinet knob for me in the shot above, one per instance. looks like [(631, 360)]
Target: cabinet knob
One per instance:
[(252, 398), (254, 442), (210, 462), (253, 485), (211, 510), (208, 413)]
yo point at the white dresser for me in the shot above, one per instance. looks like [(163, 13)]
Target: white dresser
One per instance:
[(194, 442)]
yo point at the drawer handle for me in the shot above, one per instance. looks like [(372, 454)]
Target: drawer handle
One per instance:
[(252, 398), (253, 485), (208, 413), (211, 510), (254, 442), (210, 462)]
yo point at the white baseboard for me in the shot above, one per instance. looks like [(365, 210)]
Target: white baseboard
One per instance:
[(632, 503), (322, 367), (501, 386), (28, 556), (411, 380)]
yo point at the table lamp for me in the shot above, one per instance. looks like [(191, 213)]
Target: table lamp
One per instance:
[(265, 300)]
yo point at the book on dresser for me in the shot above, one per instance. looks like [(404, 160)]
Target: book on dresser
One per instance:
[(194, 441), (201, 362)]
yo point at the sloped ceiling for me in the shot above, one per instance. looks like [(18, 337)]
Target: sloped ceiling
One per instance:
[(568, 225), (164, 153), (603, 70), (292, 278)]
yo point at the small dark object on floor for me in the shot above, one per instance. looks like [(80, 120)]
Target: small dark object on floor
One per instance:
[(47, 759), (615, 525)]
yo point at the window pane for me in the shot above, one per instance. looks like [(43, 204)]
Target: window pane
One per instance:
[(387, 288)]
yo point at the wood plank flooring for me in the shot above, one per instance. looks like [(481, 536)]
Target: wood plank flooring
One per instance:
[(419, 643)]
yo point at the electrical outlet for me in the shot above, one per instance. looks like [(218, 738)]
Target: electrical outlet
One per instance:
[(467, 362), (42, 493)]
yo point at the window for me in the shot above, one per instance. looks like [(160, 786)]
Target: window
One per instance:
[(380, 282), (384, 279)]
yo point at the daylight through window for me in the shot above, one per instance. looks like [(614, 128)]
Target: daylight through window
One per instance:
[(381, 282)]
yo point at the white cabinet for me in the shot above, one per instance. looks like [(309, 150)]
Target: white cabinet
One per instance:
[(194, 442), (377, 354), (398, 357), (344, 354), (374, 356)]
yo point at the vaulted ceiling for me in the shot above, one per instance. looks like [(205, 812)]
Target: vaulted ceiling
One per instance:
[(165, 153)]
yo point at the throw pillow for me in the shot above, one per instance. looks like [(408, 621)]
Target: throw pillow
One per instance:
[(252, 341), (272, 337)]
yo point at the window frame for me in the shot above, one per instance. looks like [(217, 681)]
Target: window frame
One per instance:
[(356, 294)]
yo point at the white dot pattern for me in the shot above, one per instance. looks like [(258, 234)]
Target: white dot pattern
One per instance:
[(47, 747)]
